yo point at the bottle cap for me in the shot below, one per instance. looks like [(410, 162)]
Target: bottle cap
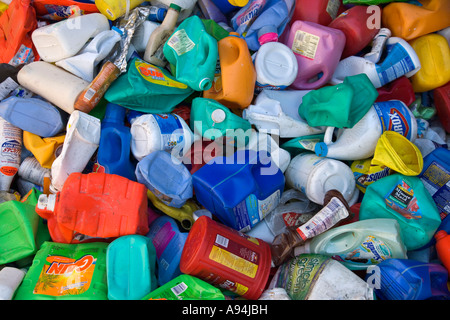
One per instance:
[(218, 115), (267, 33), (175, 7), (440, 234), (321, 149)]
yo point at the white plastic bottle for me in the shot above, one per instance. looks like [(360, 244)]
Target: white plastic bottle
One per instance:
[(81, 141), (315, 175), (65, 38), (187, 6), (11, 148), (31, 170), (142, 34), (401, 60), (52, 83), (378, 45), (278, 110), (10, 279)]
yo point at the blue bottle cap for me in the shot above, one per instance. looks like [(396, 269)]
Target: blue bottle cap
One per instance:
[(321, 149)]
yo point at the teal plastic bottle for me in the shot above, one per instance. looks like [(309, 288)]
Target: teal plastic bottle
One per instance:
[(192, 53)]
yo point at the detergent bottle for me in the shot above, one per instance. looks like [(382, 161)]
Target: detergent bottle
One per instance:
[(399, 89), (11, 138), (246, 15), (378, 44), (443, 247), (114, 9), (442, 103), (317, 11), (360, 244), (318, 50), (227, 6), (45, 150), (400, 60), (10, 280)]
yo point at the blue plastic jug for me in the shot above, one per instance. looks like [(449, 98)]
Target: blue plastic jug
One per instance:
[(241, 189), (114, 150), (168, 241), (406, 279)]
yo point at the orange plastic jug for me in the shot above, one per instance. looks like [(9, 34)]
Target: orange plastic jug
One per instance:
[(234, 86), (410, 21), (95, 207), (443, 248), (434, 55)]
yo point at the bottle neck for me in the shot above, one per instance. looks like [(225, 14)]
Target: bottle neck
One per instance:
[(171, 18)]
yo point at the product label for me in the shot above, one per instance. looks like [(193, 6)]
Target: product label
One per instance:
[(6, 87), (394, 117), (172, 133), (180, 42), (436, 180), (399, 64), (260, 87), (252, 210), (308, 144), (247, 16), (162, 238), (333, 8), (401, 199), (156, 75), (371, 251), (305, 44), (23, 56)]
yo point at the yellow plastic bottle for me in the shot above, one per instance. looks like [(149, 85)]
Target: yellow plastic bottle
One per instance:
[(114, 9), (235, 85), (410, 21), (45, 150), (434, 55)]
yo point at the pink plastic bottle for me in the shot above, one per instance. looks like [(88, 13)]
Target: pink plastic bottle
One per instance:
[(318, 50)]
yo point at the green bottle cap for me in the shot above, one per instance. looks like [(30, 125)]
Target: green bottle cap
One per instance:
[(175, 7)]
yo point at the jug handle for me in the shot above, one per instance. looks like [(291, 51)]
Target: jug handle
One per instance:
[(328, 136)]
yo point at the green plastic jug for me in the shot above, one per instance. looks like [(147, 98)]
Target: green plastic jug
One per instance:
[(341, 105), (193, 53), (405, 199)]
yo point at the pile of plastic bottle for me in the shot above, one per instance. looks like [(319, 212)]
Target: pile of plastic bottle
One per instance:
[(224, 150)]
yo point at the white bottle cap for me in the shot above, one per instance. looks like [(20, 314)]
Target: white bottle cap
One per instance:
[(218, 116)]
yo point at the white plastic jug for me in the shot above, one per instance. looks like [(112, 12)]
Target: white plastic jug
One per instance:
[(278, 110), (10, 279), (52, 83), (65, 38), (315, 175), (142, 34), (81, 141)]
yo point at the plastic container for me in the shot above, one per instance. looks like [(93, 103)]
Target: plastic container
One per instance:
[(65, 38), (442, 104), (378, 44), (358, 32), (114, 9), (234, 86), (360, 244), (315, 175), (276, 67), (52, 83), (226, 258), (244, 18), (31, 170), (45, 150), (407, 279), (434, 55), (399, 89), (317, 11), (80, 143), (95, 207), (10, 279), (240, 190), (410, 21), (193, 53), (31, 114), (142, 34), (443, 248), (400, 60), (152, 132), (165, 177), (114, 149), (168, 241), (130, 267), (318, 50), (11, 145), (227, 6)]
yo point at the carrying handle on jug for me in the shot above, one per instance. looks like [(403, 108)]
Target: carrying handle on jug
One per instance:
[(328, 136)]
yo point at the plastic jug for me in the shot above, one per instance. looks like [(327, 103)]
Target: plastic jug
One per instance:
[(318, 277), (318, 50), (80, 143), (154, 50), (227, 6), (142, 34), (219, 186), (52, 83), (358, 32), (77, 271), (434, 55), (212, 12), (315, 175), (317, 11), (226, 258), (11, 144), (360, 244), (130, 267), (114, 149), (435, 176), (400, 60), (409, 21), (378, 44), (95, 207), (10, 280), (32, 114), (234, 85), (168, 241), (45, 150), (114, 9), (165, 177), (406, 200), (392, 115), (31, 170), (193, 53), (399, 89), (152, 132), (407, 279), (65, 38), (443, 248), (244, 18), (276, 67), (442, 104)]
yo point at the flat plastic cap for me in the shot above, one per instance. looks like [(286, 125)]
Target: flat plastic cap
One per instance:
[(321, 149), (175, 7)]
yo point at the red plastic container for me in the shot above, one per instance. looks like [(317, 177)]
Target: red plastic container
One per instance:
[(399, 89), (317, 11), (226, 258), (95, 207), (442, 104), (353, 23), (443, 248)]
